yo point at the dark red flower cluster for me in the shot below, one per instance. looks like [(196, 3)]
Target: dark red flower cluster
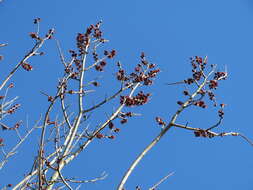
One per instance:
[(202, 92), (200, 104), (27, 66), (124, 117), (9, 185), (78, 64), (160, 121), (139, 74), (213, 84), (100, 136), (95, 83), (121, 75), (203, 133), (198, 65), (137, 100), (186, 93), (36, 20), (50, 98), (100, 66), (33, 35), (198, 62), (112, 127), (74, 75), (81, 42), (111, 137), (189, 81), (1, 142), (220, 75), (11, 85), (211, 95), (50, 33), (141, 77), (73, 53), (13, 108), (221, 113), (180, 103), (110, 54), (197, 75), (97, 32), (16, 126), (123, 121)]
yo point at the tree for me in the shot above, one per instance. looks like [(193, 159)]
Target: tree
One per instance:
[(77, 122)]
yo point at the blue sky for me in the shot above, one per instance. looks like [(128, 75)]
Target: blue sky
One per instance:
[(169, 32)]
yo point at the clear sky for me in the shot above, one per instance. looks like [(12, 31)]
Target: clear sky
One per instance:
[(169, 32)]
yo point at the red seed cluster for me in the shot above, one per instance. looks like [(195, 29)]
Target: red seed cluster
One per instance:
[(137, 100)]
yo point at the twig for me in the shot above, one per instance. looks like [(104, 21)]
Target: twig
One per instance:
[(2, 45), (162, 180), (64, 181), (12, 152)]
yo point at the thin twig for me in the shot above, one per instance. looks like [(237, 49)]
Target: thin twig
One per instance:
[(162, 180), (64, 181)]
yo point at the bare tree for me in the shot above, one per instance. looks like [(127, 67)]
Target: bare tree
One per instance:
[(65, 137)]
